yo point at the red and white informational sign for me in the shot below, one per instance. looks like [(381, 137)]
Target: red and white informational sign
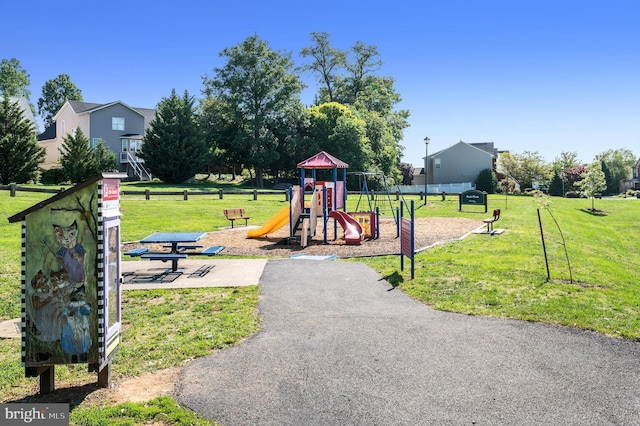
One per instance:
[(405, 238), (111, 196)]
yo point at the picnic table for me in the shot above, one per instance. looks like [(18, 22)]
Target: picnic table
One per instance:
[(180, 245)]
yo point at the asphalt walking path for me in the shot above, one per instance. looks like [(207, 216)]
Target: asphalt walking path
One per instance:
[(338, 346)]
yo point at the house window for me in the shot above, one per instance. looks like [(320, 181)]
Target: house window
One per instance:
[(63, 127), (125, 145), (436, 163), (135, 145), (117, 123), (95, 142)]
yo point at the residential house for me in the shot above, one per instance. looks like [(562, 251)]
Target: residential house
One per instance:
[(119, 127), (459, 163), (636, 175)]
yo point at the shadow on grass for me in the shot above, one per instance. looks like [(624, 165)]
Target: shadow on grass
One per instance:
[(72, 395), (394, 279), (594, 212)]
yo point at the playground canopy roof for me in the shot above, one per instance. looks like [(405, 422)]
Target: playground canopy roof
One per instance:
[(322, 160)]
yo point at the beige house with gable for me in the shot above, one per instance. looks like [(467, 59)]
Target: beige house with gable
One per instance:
[(119, 127)]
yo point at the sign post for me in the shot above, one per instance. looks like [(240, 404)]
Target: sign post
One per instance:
[(407, 240)]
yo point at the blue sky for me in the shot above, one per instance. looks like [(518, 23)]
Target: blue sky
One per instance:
[(544, 75)]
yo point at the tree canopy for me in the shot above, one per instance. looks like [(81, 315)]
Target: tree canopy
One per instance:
[(174, 147), (20, 153), (14, 80), (55, 93), (526, 168), (619, 163), (256, 92)]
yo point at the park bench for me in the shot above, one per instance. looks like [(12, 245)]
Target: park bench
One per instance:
[(490, 221), (234, 214)]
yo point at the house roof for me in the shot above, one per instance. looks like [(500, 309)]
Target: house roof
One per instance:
[(20, 216), (89, 107), (322, 160), (459, 143), (49, 133)]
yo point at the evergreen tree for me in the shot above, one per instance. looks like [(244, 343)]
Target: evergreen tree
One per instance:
[(20, 153), (105, 158), (77, 158), (175, 148), (612, 187), (555, 186), (487, 181)]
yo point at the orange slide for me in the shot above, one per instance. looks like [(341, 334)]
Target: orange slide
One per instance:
[(353, 233), (278, 220)]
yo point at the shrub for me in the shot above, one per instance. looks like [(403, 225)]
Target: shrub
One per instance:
[(53, 176)]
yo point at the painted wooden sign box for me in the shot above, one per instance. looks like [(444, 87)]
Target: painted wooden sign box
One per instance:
[(71, 279)]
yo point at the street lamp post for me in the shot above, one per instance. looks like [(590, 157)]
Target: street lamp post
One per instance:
[(426, 160)]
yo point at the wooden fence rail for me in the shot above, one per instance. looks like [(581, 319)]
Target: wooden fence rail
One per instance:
[(147, 193)]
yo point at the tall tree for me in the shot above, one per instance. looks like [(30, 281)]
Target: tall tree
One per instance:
[(338, 129), (352, 79), (20, 153), (77, 159), (326, 64), (14, 80), (55, 93), (255, 90), (362, 63), (174, 147), (620, 164)]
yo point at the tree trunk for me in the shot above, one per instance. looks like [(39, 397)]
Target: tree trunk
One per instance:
[(259, 178)]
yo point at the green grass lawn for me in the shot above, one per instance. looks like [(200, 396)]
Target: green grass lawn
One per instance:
[(505, 275), (502, 275)]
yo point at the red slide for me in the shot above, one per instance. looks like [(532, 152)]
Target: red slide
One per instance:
[(352, 230)]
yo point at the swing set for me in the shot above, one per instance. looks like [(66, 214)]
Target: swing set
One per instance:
[(374, 198)]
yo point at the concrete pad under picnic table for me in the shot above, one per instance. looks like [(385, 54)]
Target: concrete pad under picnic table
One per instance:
[(192, 273)]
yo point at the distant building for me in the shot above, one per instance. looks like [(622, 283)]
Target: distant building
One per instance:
[(119, 126), (459, 163)]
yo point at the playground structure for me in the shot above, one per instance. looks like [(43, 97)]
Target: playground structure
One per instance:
[(327, 201)]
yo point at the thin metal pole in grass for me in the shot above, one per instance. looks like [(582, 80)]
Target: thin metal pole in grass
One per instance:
[(543, 199), (544, 247)]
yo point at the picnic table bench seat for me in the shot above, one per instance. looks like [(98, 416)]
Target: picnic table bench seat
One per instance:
[(235, 214), (212, 251), (136, 251)]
